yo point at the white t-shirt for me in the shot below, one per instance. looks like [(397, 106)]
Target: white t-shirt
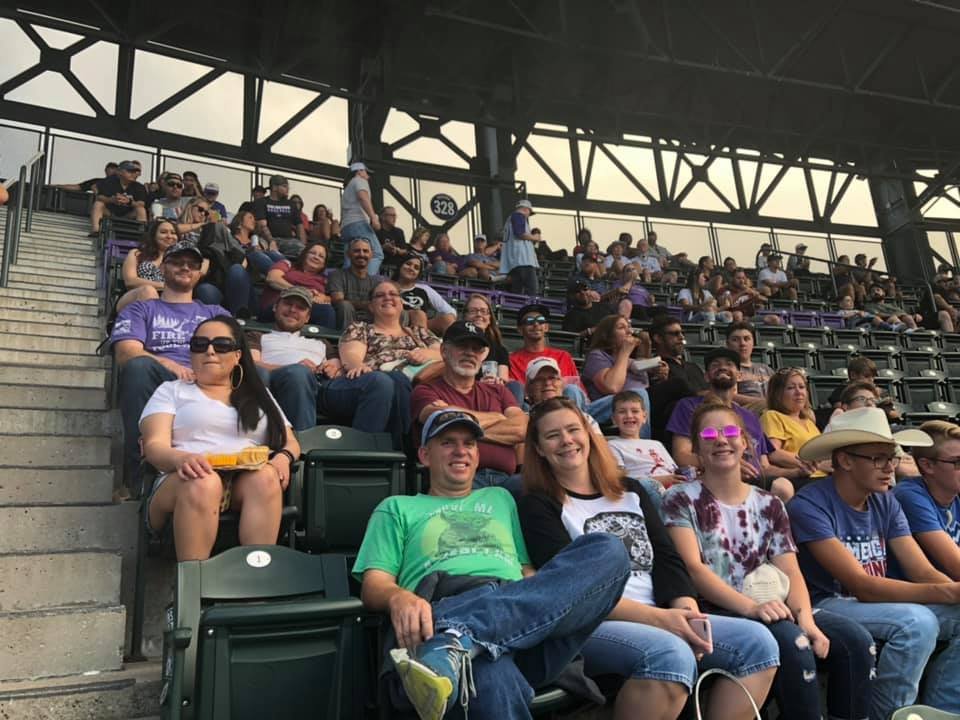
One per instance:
[(642, 458), (285, 348), (768, 275), (202, 424), (687, 294)]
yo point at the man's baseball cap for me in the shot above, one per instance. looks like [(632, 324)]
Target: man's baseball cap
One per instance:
[(532, 307), (211, 189), (183, 246), (721, 353), (526, 204), (801, 246), (460, 331), (481, 236), (540, 363), (358, 166), (301, 293), (259, 188), (442, 419), (128, 166), (276, 180)]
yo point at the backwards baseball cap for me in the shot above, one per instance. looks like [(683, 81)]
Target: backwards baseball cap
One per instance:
[(180, 247), (460, 331), (721, 353), (440, 420), (540, 363), (526, 204), (278, 180), (532, 307), (301, 293), (358, 166), (211, 189), (128, 166)]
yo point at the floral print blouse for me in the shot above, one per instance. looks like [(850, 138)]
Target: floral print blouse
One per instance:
[(383, 349)]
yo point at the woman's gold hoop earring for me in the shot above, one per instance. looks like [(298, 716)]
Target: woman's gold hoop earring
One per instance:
[(236, 384)]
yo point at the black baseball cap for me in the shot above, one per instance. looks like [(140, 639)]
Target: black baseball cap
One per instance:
[(532, 307), (461, 330), (721, 353)]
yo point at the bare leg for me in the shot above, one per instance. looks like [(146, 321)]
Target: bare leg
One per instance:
[(782, 488), (946, 322), (195, 505), (259, 497), (96, 215), (649, 699), (728, 701), (141, 213)]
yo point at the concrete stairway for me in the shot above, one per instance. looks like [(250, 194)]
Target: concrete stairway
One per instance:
[(64, 545)]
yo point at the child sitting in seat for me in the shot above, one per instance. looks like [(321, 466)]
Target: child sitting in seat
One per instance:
[(640, 458)]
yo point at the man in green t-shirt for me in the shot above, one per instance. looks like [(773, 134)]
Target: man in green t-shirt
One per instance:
[(506, 631)]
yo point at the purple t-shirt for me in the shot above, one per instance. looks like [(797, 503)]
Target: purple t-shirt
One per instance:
[(447, 257), (598, 360), (682, 417), (819, 513), (164, 328)]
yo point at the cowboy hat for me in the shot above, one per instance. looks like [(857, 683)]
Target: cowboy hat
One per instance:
[(858, 427)]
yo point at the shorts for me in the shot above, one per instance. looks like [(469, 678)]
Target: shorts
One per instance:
[(226, 477)]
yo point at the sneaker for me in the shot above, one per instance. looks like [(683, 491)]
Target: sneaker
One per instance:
[(435, 673)]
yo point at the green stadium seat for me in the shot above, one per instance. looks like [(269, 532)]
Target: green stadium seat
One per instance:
[(886, 356), (922, 358), (823, 386), (918, 392), (829, 359), (798, 356), (884, 338), (777, 334), (262, 631), (950, 341), (857, 338), (951, 363), (819, 336), (346, 473), (920, 339)]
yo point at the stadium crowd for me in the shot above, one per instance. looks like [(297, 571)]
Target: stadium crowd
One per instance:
[(653, 516)]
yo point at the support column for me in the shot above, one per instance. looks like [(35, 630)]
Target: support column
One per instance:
[(899, 220), (495, 161)]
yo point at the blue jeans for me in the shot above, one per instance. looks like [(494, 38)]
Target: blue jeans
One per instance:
[(238, 289), (139, 377), (634, 650), (531, 629), (601, 409), (372, 402), (320, 314), (849, 665), (910, 633), (263, 260), (487, 477), (362, 229)]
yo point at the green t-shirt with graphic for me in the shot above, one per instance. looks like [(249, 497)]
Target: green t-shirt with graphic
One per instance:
[(411, 537)]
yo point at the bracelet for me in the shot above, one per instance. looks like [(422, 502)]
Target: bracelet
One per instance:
[(282, 451)]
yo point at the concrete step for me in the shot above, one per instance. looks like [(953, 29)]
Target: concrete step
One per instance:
[(133, 692), (64, 528), (39, 450), (50, 285), (83, 262), (59, 398), (65, 343), (57, 237), (57, 320), (75, 377), (55, 486), (51, 580), (48, 296), (83, 275), (16, 302), (63, 641), (50, 329), (54, 360), (88, 423), (30, 276)]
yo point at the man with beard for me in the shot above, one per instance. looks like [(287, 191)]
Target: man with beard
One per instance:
[(745, 300), (306, 378), (350, 288), (504, 424), (151, 342), (278, 220)]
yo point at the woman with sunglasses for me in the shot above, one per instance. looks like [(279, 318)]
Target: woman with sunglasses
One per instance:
[(789, 422), (141, 271), (307, 271), (726, 531), (224, 411), (652, 637), (424, 305)]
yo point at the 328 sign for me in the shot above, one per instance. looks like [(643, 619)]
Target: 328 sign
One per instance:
[(443, 206)]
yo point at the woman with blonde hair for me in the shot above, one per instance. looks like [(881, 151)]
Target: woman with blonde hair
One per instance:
[(789, 422)]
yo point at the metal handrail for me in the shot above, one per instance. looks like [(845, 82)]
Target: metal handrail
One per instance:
[(11, 233)]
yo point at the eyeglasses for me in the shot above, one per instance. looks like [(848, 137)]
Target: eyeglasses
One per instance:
[(548, 378), (384, 295), (221, 345), (174, 185), (868, 400), (713, 433), (184, 263), (482, 312), (879, 461), (535, 320), (947, 461)]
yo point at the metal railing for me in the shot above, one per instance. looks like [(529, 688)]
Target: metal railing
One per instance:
[(15, 208)]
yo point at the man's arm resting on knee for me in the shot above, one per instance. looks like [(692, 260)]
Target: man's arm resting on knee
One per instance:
[(411, 615), (126, 350)]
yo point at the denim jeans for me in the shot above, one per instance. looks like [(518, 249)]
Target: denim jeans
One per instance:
[(523, 280), (850, 667), (910, 633), (487, 477), (320, 314), (531, 629), (364, 230), (238, 289), (372, 402), (139, 377), (601, 409), (634, 650), (263, 260)]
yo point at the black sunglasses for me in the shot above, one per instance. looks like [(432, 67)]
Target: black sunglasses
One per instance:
[(221, 345), (535, 320), (203, 210), (174, 184)]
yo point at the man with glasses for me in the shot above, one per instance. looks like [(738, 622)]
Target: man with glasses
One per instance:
[(392, 239), (350, 288), (150, 341), (931, 502), (683, 378), (278, 219), (119, 195), (172, 203), (854, 540)]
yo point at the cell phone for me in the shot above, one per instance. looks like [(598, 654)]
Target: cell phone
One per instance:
[(701, 627)]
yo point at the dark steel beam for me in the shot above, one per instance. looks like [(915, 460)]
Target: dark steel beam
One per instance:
[(936, 186), (298, 117), (179, 96)]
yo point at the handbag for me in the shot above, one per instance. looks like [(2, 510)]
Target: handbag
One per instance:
[(766, 583)]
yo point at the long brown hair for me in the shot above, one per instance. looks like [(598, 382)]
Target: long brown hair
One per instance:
[(712, 403), (538, 476), (775, 389), (493, 330)]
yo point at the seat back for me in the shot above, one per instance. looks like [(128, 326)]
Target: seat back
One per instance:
[(263, 631), (346, 473), (918, 392)]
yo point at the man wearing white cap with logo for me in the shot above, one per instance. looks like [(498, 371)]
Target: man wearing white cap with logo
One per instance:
[(854, 541), (357, 216), (519, 257)]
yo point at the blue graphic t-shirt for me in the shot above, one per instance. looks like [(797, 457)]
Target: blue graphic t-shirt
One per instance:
[(819, 513), (923, 513)]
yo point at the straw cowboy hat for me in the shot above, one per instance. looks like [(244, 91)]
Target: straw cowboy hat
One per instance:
[(858, 427)]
